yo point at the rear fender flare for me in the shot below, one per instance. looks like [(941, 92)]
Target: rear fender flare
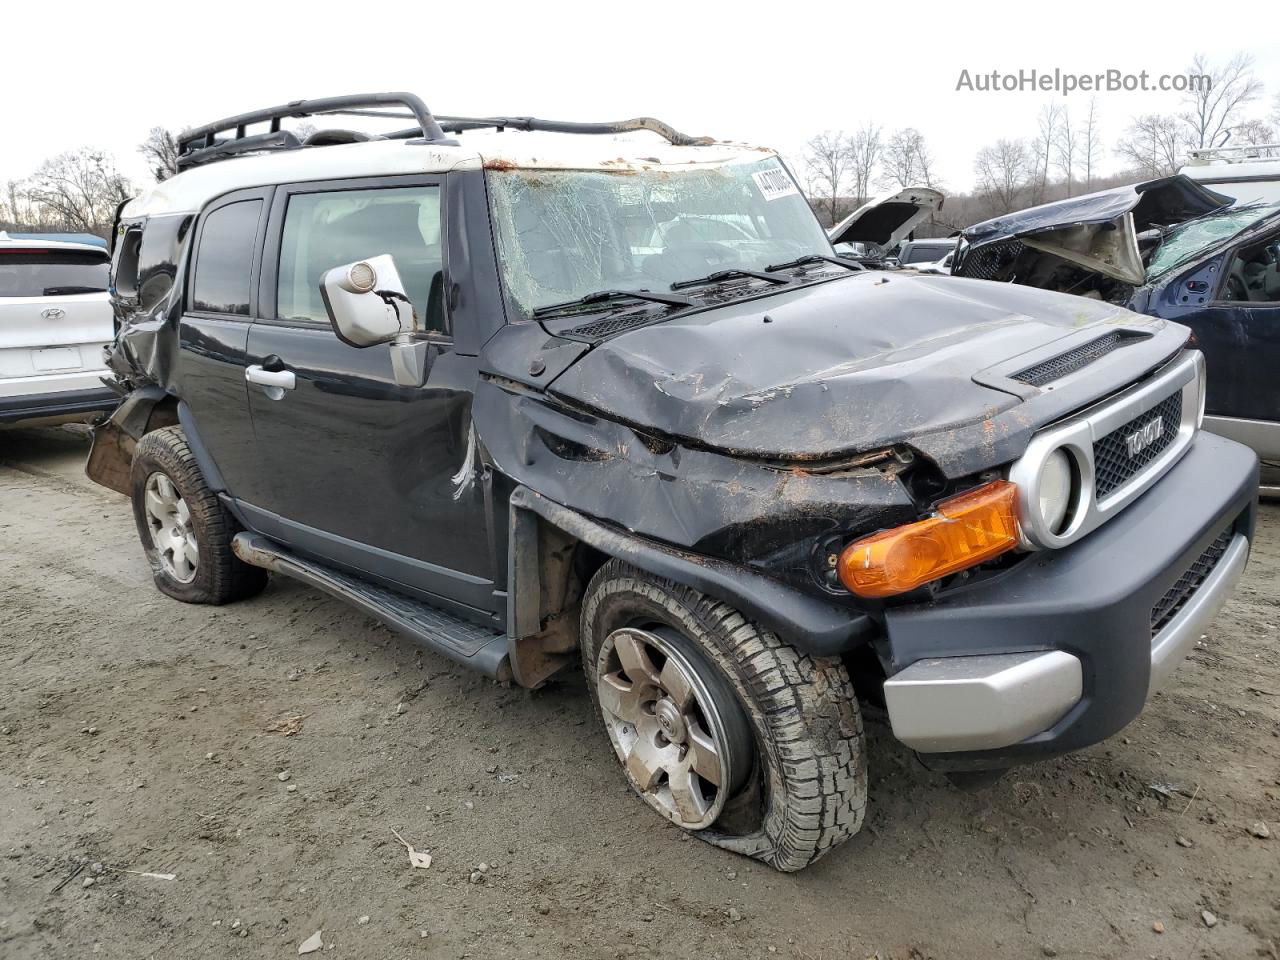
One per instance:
[(142, 411)]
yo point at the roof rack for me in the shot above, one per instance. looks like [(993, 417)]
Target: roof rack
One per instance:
[(203, 145), (1237, 154), (664, 130)]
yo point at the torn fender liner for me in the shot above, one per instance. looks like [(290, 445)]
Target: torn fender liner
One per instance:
[(855, 364), (816, 627)]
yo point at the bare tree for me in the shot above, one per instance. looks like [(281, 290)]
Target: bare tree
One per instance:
[(1042, 148), (1211, 110), (907, 160), (826, 158), (926, 161), (1065, 148), (1090, 143), (79, 189), (1002, 170), (1154, 144), (161, 152), (1254, 133), (864, 148), (15, 211)]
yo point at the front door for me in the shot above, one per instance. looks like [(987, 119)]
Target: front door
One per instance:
[(1239, 333), (351, 467)]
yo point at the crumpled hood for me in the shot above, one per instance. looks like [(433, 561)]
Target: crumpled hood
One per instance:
[(1097, 231), (853, 364)]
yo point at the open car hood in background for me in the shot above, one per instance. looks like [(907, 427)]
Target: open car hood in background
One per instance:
[(889, 219), (1099, 231)]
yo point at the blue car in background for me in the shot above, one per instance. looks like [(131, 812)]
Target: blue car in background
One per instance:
[(1170, 248)]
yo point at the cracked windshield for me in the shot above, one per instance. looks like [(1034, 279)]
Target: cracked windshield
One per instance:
[(1196, 235), (565, 234)]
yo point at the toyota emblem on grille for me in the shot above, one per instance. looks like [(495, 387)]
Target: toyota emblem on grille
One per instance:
[(53, 313), (1144, 436)]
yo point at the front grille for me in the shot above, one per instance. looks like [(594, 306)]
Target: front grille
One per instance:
[(1057, 367), (1176, 597), (988, 262), (1112, 463)]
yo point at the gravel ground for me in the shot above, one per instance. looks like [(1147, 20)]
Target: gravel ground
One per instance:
[(264, 753)]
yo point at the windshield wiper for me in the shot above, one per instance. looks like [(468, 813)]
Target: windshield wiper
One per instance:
[(815, 258), (605, 296), (729, 274)]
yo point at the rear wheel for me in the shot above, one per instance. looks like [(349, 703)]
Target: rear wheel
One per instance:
[(185, 532), (720, 726)]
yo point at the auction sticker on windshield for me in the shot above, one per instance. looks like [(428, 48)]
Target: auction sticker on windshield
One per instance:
[(774, 183)]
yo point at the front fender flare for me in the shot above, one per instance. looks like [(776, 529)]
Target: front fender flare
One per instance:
[(810, 624)]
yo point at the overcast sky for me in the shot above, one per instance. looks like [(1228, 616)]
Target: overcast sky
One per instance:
[(102, 74)]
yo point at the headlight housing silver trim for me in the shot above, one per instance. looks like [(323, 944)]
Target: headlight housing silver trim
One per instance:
[(1076, 437)]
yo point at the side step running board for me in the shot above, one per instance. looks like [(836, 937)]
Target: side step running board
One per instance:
[(469, 644)]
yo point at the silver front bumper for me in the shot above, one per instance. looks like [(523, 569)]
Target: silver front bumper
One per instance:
[(987, 702)]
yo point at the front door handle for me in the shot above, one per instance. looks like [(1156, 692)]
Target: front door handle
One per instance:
[(284, 379)]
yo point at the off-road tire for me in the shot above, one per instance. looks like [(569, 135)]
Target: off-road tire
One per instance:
[(808, 791), (220, 576)]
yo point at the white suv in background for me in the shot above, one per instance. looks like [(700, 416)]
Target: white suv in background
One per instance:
[(55, 319), (1249, 174)]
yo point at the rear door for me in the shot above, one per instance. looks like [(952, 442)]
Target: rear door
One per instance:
[(220, 302), (351, 467), (54, 319)]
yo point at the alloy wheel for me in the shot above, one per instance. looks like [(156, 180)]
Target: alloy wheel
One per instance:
[(683, 744), (169, 520)]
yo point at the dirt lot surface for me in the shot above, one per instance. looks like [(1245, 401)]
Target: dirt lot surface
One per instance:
[(263, 753)]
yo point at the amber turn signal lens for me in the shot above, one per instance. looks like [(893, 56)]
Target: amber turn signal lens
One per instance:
[(967, 529)]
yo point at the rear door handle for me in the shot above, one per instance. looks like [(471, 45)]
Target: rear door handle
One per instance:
[(284, 379)]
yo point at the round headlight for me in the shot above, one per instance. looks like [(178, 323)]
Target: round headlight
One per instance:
[(1055, 490)]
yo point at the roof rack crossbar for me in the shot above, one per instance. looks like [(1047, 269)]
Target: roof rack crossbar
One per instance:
[(221, 149), (195, 145), (664, 130)]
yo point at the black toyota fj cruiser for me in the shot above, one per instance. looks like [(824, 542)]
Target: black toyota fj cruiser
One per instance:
[(533, 391)]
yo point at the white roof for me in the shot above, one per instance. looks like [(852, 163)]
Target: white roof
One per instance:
[(49, 243), (189, 191)]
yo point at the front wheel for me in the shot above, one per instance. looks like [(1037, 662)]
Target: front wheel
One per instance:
[(720, 726)]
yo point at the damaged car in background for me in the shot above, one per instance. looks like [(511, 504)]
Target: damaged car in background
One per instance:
[(538, 393), (1170, 248), (876, 234)]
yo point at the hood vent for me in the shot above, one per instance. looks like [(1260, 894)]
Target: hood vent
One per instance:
[(1058, 367)]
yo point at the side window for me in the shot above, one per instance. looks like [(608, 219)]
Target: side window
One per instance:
[(325, 230), (224, 261), (1254, 274), (157, 259)]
